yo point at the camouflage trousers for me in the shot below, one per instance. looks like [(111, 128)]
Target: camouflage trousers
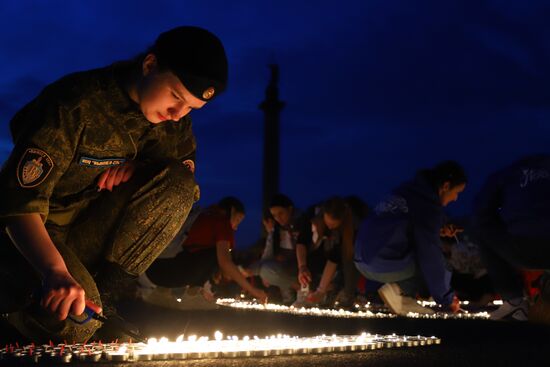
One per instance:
[(129, 226)]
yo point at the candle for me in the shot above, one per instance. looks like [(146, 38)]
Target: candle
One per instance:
[(195, 347)]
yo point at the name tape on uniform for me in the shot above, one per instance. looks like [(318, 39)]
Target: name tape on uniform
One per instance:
[(101, 162)]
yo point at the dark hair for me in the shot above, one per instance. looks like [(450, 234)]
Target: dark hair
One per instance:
[(339, 209), (336, 207), (280, 200), (359, 208), (447, 171), (231, 202)]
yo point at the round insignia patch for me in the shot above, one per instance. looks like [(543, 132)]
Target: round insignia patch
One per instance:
[(208, 93), (33, 168)]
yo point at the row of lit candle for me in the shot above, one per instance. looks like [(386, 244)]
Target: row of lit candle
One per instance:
[(315, 311), (194, 347), (430, 303)]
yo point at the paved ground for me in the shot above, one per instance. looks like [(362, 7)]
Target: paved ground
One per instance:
[(465, 342)]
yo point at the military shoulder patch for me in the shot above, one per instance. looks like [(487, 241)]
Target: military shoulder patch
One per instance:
[(33, 168)]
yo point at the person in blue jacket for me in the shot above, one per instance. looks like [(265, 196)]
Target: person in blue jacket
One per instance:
[(512, 224), (400, 246)]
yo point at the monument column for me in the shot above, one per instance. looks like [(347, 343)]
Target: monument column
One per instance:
[(272, 107)]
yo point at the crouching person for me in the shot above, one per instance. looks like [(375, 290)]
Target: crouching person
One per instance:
[(334, 230), (100, 179), (399, 244), (277, 264), (206, 248), (511, 225), (290, 229)]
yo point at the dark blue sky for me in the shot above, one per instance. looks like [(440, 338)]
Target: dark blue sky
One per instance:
[(374, 90)]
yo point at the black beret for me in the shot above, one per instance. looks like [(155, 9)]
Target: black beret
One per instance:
[(196, 56)]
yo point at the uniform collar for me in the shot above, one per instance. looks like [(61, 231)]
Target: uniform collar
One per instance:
[(126, 110)]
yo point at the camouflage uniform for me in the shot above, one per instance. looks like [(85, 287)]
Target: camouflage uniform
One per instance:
[(75, 129)]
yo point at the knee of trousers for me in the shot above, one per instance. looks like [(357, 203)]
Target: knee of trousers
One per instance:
[(72, 330), (39, 325), (76, 332), (181, 188), (80, 273), (169, 196), (275, 274)]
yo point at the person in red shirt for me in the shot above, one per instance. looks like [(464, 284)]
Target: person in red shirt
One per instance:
[(206, 248)]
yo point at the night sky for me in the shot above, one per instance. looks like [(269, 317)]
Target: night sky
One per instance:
[(374, 89)]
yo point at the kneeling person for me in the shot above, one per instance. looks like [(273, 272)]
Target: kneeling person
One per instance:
[(400, 245), (206, 249)]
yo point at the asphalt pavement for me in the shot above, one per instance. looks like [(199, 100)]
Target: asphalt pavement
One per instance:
[(464, 342)]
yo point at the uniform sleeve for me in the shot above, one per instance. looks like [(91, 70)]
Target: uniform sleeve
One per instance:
[(175, 140), (46, 135), (186, 145), (426, 226)]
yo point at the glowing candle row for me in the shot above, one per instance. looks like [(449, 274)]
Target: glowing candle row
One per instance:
[(341, 313), (220, 347)]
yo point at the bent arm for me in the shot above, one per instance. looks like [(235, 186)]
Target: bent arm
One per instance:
[(328, 274), (29, 235), (304, 275), (301, 255), (432, 263), (61, 293), (228, 267)]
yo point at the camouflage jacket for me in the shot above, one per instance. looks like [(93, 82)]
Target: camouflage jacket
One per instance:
[(76, 128)]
